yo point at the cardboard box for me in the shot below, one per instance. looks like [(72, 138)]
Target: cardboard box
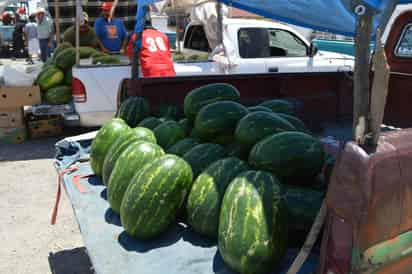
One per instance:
[(45, 126), (14, 97), (11, 118), (13, 135)]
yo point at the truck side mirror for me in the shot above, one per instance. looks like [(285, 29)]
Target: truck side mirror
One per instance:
[(313, 49)]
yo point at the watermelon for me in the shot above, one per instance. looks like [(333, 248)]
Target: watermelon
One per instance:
[(86, 52), (202, 96), (296, 122), (133, 110), (290, 156), (204, 201), (104, 139), (201, 156), (237, 150), (130, 161), (217, 122), (279, 105), (150, 122), (168, 134), (303, 205), (187, 125), (59, 95), (60, 48), (259, 108), (172, 112), (252, 235), (183, 146), (134, 135), (106, 60), (66, 59), (68, 77), (50, 77), (257, 125), (154, 197)]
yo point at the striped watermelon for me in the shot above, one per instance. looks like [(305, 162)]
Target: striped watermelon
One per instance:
[(168, 133), (150, 122), (187, 125), (133, 110), (237, 150), (279, 105), (257, 125), (153, 199), (208, 94), (253, 224), (104, 139), (201, 156), (296, 122), (135, 134), (217, 122), (259, 108), (130, 161), (205, 198), (291, 156), (183, 146)]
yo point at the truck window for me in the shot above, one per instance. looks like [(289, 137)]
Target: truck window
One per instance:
[(264, 43), (196, 39), (404, 46)]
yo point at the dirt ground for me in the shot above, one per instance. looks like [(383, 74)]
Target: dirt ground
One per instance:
[(29, 243)]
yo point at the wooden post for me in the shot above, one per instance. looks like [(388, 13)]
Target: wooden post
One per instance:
[(57, 20), (379, 89), (361, 78), (219, 30)]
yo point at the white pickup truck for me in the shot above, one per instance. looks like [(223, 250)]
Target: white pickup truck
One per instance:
[(254, 46)]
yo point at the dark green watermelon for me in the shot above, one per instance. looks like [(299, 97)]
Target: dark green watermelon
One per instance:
[(168, 133), (255, 126), (253, 224), (187, 125), (135, 134), (105, 138), (171, 112), (279, 105), (296, 122), (259, 108), (205, 198), (150, 123), (153, 199), (206, 95), (237, 150), (201, 156), (291, 156), (134, 110), (217, 122), (183, 146), (130, 161)]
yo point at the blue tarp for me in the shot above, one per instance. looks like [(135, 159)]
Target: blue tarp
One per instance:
[(335, 16)]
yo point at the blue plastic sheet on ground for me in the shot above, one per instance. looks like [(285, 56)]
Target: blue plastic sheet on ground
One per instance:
[(111, 250)]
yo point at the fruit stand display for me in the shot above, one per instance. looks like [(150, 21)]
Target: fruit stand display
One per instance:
[(199, 186)]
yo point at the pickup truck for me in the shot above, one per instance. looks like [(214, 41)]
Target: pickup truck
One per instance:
[(369, 200), (256, 46)]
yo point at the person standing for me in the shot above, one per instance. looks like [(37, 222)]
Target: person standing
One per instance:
[(154, 56), (31, 37), (45, 34), (111, 31)]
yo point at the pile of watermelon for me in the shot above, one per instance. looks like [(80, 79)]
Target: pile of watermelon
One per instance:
[(55, 78), (244, 176)]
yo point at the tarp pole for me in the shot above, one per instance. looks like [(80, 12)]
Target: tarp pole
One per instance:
[(361, 77), (219, 22), (57, 20), (77, 31)]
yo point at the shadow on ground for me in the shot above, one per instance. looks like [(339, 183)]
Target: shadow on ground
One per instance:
[(42, 148), (71, 261)]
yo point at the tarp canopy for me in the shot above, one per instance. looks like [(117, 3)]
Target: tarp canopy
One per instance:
[(335, 16)]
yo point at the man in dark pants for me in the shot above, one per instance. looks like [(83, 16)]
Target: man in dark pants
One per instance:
[(44, 32)]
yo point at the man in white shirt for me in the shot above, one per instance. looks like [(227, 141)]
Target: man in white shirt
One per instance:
[(45, 34), (31, 37)]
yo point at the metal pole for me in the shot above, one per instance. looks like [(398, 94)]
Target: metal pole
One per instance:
[(361, 78), (219, 31), (57, 20), (78, 7)]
